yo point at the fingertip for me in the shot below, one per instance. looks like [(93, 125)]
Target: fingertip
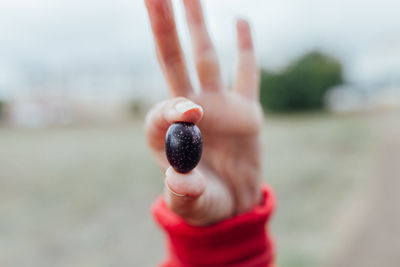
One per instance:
[(190, 108), (191, 184), (161, 16), (194, 10), (186, 111), (244, 34), (151, 3), (242, 25)]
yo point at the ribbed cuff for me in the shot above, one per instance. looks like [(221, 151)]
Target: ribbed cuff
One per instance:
[(239, 241)]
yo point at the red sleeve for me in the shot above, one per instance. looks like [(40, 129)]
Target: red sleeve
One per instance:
[(239, 241)]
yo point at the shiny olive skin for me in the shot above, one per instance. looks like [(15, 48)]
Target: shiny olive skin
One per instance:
[(183, 146)]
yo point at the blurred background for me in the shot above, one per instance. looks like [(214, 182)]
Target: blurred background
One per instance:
[(77, 77)]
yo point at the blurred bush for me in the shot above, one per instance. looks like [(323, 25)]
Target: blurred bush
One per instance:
[(2, 109), (138, 107), (302, 85)]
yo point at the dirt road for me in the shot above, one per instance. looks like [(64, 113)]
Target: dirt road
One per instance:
[(374, 239)]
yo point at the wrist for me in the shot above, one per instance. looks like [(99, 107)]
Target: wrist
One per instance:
[(228, 242)]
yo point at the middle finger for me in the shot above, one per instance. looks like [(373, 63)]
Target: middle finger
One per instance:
[(207, 64), (169, 50)]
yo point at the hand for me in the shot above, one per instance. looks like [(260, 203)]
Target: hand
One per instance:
[(227, 180)]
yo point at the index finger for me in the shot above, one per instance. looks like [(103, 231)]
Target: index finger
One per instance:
[(168, 48)]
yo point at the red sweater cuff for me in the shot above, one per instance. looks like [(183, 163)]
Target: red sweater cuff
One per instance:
[(239, 241)]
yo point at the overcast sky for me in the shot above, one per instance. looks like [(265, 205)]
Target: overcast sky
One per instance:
[(65, 34)]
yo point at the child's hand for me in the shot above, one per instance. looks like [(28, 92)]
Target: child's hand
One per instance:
[(227, 180)]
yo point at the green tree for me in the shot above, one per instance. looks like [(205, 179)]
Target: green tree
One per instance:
[(302, 85)]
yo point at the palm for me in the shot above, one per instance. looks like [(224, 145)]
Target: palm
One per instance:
[(230, 134), (231, 123), (230, 145)]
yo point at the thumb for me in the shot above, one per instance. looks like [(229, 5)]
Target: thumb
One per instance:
[(162, 115), (197, 200), (184, 194)]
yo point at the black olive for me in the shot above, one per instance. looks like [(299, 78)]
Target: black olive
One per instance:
[(183, 146)]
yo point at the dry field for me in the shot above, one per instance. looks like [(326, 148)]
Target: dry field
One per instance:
[(79, 196)]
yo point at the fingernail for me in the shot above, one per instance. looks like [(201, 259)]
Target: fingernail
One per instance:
[(183, 107), (168, 172), (172, 191)]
